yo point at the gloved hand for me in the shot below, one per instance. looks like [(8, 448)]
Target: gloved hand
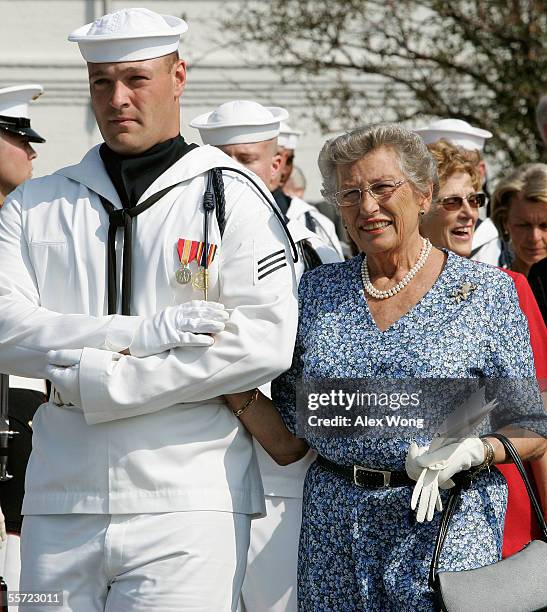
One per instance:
[(3, 535), (439, 464), (426, 489), (181, 325), (453, 457), (64, 373), (411, 466)]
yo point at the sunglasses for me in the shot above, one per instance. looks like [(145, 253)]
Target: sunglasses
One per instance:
[(451, 203)]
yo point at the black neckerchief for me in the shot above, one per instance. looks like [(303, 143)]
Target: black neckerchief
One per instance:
[(282, 200), (132, 176)]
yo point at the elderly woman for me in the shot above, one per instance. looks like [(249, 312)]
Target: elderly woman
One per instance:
[(455, 207), (393, 312)]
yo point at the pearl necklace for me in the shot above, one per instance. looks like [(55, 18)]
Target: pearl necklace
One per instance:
[(382, 295)]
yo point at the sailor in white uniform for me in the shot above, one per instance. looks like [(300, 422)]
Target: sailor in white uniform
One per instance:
[(16, 136), (248, 132), (294, 207), (17, 153), (487, 245), (141, 483)]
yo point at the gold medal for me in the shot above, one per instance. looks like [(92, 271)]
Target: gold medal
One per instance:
[(199, 280), (183, 275)]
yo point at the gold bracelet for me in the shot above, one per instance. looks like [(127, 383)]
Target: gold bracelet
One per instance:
[(250, 401), (489, 454)]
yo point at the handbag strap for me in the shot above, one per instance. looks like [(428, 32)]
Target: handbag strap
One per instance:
[(512, 452), (463, 480)]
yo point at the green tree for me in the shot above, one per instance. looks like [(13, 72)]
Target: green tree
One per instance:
[(357, 61)]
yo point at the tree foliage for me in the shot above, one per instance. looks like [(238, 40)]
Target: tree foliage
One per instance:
[(357, 61)]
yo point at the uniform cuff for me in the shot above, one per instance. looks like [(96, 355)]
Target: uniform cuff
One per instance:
[(120, 332), (95, 365)]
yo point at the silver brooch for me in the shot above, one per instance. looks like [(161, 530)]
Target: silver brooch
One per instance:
[(463, 292)]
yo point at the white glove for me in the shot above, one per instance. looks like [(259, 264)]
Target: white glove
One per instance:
[(426, 489), (453, 457), (181, 325), (438, 467), (64, 373), (3, 535)]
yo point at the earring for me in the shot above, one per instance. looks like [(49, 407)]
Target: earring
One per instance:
[(422, 212)]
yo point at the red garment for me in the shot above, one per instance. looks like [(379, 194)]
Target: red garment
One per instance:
[(520, 524)]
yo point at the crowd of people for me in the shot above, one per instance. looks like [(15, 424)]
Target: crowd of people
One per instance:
[(161, 304)]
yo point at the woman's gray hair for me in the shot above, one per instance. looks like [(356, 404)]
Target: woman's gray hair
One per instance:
[(416, 162)]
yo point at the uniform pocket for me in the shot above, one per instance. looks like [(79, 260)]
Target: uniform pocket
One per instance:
[(51, 265)]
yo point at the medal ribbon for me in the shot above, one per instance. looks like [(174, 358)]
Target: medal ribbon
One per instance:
[(210, 256), (187, 250)]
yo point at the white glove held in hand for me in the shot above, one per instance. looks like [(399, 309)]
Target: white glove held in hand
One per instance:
[(181, 325), (64, 373), (453, 457), (3, 535), (411, 466), (438, 467), (426, 489)]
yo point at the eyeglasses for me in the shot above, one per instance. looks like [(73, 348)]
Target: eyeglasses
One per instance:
[(379, 191), (451, 203)]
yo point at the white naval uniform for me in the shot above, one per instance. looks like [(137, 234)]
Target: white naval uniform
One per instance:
[(270, 579), (325, 227), (486, 239), (153, 435)]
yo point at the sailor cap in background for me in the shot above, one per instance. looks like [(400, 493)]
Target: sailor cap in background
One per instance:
[(129, 35), (457, 132), (239, 121), (14, 112), (288, 137)]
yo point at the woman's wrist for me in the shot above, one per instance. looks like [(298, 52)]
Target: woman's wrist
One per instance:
[(251, 398), (489, 454)]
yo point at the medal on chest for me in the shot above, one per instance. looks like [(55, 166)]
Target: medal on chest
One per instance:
[(200, 280), (187, 250)]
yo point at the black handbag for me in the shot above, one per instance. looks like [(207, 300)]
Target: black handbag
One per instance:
[(516, 584)]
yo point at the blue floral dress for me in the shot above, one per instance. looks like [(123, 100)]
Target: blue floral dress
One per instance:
[(362, 549)]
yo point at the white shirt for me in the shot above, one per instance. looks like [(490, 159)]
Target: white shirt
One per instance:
[(153, 435), (486, 239), (325, 227)]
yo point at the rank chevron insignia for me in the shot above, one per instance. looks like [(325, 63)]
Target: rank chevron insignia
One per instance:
[(270, 263)]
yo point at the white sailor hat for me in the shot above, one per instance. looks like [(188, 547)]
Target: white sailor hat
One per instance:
[(14, 112), (457, 132), (288, 137), (129, 35), (239, 121)]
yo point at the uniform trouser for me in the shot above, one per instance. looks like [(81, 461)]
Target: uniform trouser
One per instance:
[(192, 561), (270, 580), (10, 564)]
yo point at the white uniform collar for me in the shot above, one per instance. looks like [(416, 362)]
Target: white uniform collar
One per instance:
[(299, 231), (298, 207), (92, 173)]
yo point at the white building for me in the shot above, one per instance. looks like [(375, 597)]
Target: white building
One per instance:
[(34, 48)]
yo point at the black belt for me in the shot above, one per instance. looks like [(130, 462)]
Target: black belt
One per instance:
[(366, 477)]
